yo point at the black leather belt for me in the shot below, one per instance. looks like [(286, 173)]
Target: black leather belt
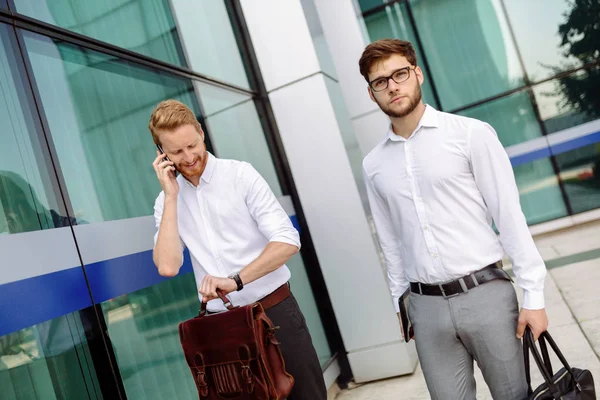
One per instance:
[(463, 284)]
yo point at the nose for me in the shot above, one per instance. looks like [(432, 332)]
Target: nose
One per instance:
[(392, 85), (188, 157)]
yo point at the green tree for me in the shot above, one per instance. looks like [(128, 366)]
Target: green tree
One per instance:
[(580, 35)]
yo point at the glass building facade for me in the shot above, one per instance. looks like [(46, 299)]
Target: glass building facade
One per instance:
[(537, 82), (83, 311)]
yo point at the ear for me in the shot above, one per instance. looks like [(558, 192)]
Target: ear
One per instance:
[(371, 95), (420, 76)]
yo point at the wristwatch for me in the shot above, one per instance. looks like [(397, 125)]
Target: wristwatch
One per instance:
[(236, 277)]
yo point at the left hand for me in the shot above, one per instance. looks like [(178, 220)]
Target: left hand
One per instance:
[(536, 319), (210, 284)]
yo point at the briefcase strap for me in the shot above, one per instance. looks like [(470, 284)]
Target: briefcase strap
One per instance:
[(544, 364)]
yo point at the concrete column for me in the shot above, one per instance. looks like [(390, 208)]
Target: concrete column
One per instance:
[(313, 141)]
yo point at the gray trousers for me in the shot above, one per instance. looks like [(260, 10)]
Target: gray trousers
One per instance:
[(480, 326), (298, 352)]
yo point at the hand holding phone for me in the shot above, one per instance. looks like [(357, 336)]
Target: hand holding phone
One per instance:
[(166, 173)]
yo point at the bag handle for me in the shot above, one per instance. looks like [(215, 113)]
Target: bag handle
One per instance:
[(228, 304), (544, 365)]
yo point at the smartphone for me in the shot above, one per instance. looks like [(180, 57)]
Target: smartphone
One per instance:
[(166, 158)]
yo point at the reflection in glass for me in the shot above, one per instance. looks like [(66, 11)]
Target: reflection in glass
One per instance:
[(559, 36), (236, 133), (569, 101), (540, 195), (393, 22), (366, 5), (98, 108), (50, 361), (469, 49), (208, 40), (27, 201), (580, 173), (512, 117), (143, 330), (143, 26)]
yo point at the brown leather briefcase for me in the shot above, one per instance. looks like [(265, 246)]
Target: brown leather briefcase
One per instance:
[(234, 354)]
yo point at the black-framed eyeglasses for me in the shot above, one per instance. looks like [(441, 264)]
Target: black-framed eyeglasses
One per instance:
[(398, 76)]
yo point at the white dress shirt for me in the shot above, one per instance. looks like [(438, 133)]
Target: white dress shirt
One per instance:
[(226, 222), (433, 197)]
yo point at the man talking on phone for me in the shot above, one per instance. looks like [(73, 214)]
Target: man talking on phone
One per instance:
[(238, 236)]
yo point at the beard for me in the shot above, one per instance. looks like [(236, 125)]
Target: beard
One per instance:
[(413, 101), (196, 170)]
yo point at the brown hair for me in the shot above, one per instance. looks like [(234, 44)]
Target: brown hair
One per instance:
[(170, 115), (382, 50)]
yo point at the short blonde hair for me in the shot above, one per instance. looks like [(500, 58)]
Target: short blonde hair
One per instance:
[(170, 115)]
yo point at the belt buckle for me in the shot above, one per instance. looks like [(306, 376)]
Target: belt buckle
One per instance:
[(441, 286)]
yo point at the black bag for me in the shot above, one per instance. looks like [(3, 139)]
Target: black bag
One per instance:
[(567, 384)]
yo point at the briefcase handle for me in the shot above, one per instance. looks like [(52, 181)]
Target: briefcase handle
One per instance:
[(544, 365), (228, 304)]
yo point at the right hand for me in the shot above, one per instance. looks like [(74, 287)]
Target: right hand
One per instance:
[(165, 172)]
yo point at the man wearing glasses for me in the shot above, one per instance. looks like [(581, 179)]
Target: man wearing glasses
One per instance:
[(434, 184)]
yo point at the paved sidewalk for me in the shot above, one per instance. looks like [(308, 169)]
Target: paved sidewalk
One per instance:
[(573, 306)]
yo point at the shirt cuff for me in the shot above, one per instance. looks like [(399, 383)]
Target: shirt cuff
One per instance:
[(533, 300), (396, 305)]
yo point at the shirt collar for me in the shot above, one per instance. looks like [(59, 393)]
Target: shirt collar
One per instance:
[(428, 120), (208, 170)]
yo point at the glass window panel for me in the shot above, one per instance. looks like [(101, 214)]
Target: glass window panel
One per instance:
[(512, 117), (469, 49), (98, 109), (393, 22), (48, 361), (146, 27), (28, 201), (143, 329), (514, 121), (580, 173), (366, 5), (208, 40), (540, 195), (216, 99), (236, 133), (541, 43), (569, 101), (34, 362)]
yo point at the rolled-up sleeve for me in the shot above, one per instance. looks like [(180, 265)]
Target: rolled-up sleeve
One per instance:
[(388, 240), (495, 179), (273, 222)]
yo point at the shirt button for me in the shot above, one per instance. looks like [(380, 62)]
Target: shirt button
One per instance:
[(426, 228), (434, 255)]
